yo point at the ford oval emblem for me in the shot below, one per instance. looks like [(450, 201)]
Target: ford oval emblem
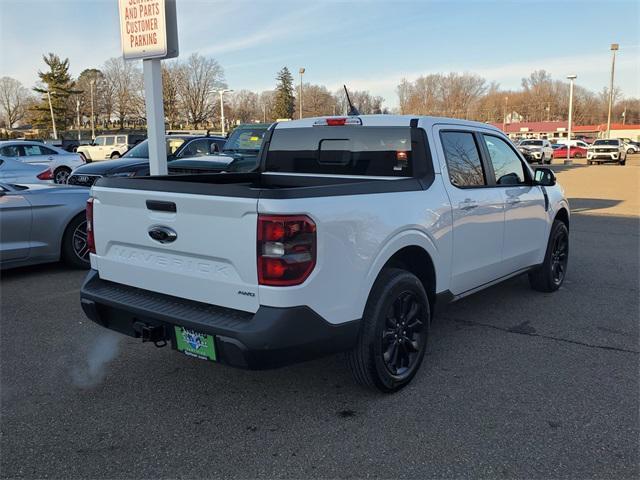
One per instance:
[(162, 234)]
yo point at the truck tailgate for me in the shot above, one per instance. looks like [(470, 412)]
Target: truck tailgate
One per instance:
[(211, 260)]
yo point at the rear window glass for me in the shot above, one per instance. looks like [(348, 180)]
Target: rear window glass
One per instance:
[(345, 150), (607, 142)]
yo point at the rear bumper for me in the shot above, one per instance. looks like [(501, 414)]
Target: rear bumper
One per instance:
[(270, 338)]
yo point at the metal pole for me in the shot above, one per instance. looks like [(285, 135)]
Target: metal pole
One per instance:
[(504, 115), (93, 129), (53, 119), (155, 116), (614, 48), (78, 114), (571, 78), (221, 92), (301, 71), (264, 113)]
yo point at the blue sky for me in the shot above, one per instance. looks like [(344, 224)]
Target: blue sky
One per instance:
[(367, 44)]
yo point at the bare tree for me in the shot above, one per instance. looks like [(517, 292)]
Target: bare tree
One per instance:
[(316, 101), (361, 99), (172, 76), (202, 76), (124, 80), (13, 100), (245, 106)]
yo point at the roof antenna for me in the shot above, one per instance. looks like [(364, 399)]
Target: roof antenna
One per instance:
[(352, 110)]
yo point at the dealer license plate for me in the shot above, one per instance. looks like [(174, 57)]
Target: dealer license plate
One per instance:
[(195, 344)]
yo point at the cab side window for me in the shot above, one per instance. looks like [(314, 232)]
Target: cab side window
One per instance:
[(463, 159), (506, 163), (99, 141)]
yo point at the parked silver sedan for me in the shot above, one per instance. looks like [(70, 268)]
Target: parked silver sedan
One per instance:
[(58, 160), (42, 223), (14, 171)]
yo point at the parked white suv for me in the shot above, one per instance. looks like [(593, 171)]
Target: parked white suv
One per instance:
[(106, 147), (607, 150), (349, 235), (539, 151)]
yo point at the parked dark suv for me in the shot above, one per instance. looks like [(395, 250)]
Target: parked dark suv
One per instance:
[(136, 161)]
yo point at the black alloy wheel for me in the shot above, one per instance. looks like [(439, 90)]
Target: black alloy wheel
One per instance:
[(550, 275), (559, 257), (395, 329), (401, 338), (75, 249)]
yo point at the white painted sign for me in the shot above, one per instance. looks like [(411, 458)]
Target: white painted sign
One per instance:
[(143, 29)]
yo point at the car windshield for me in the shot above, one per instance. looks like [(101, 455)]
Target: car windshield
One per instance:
[(245, 139), (537, 143), (606, 142), (142, 149)]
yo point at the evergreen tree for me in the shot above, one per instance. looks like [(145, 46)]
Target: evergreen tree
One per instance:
[(285, 102), (57, 80)]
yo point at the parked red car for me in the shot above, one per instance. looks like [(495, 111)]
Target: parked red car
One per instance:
[(575, 152)]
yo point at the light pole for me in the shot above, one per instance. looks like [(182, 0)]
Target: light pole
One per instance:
[(504, 115), (53, 119), (571, 78), (614, 49), (78, 115), (302, 70), (222, 92), (93, 128)]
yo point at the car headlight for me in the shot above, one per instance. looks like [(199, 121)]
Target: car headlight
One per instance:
[(122, 174)]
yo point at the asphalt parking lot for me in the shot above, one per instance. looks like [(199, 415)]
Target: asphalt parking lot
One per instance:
[(515, 383)]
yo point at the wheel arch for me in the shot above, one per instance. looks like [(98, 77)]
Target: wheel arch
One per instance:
[(416, 260), (415, 252)]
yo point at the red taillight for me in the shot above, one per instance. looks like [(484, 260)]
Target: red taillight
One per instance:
[(91, 243), (286, 249), (336, 122), (46, 175)]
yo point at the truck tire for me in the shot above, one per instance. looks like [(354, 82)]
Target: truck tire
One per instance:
[(75, 251), (115, 155), (551, 274), (394, 332)]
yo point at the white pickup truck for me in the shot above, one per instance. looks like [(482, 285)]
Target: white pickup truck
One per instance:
[(346, 237)]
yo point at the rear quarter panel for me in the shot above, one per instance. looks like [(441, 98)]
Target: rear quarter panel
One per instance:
[(356, 235)]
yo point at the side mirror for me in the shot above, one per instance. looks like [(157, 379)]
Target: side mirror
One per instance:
[(215, 148), (545, 177)]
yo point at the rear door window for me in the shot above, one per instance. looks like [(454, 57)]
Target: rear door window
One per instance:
[(346, 150), (463, 159), (109, 140)]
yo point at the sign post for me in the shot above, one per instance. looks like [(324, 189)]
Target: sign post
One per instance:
[(148, 31)]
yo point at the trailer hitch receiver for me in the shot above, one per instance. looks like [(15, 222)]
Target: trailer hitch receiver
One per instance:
[(151, 333)]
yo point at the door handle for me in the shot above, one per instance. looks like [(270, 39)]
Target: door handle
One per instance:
[(467, 204)]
